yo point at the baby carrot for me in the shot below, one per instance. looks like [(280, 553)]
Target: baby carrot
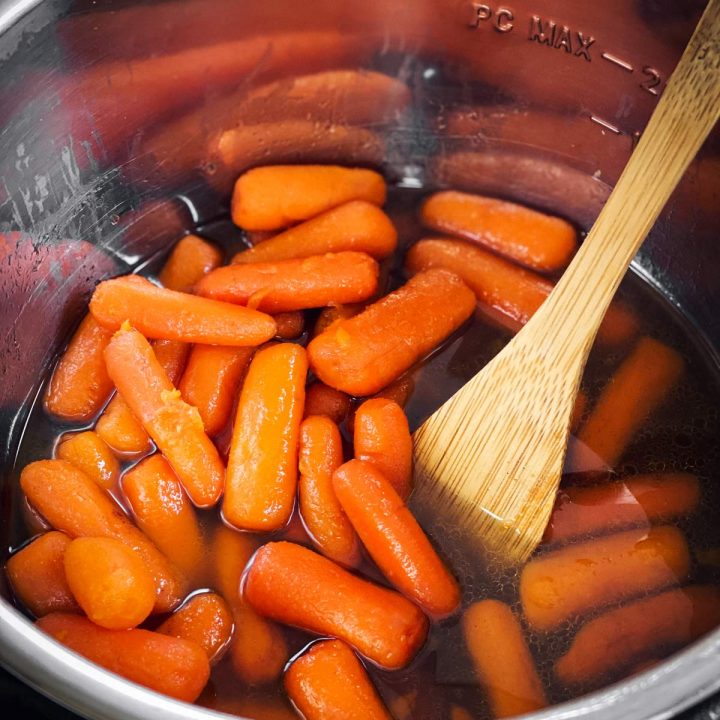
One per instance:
[(357, 226), (73, 503), (394, 539), (573, 580), (168, 665), (172, 356), (365, 353), (296, 586), (502, 659), (332, 313), (80, 385), (276, 196), (321, 454), (191, 258), (262, 464), (328, 682), (537, 240), (89, 452), (637, 388), (231, 551), (289, 324), (321, 399), (37, 575), (174, 425), (169, 315)]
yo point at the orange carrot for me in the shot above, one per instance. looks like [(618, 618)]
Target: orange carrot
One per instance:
[(394, 539), (168, 665), (321, 399), (330, 314), (211, 381), (295, 531), (276, 196), (329, 682), (399, 391), (231, 552), (37, 575), (261, 707), (321, 454), (357, 226), (174, 425), (289, 324), (191, 258), (296, 586), (537, 240), (573, 580), (502, 659), (258, 236), (73, 503), (637, 388), (89, 452), (262, 465), (172, 356), (365, 353), (80, 385), (170, 315)]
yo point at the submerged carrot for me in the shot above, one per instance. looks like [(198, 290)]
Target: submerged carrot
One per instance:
[(289, 324), (321, 399), (502, 659), (333, 313), (363, 354), (89, 452), (231, 551), (191, 258)]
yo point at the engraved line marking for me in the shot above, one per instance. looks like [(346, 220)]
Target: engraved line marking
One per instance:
[(606, 124), (617, 61)]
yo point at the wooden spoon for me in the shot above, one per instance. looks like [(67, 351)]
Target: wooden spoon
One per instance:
[(490, 459)]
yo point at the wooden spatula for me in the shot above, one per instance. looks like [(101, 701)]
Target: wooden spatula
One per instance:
[(490, 459)]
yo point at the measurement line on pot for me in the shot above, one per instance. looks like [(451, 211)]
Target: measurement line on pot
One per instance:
[(605, 124), (615, 60)]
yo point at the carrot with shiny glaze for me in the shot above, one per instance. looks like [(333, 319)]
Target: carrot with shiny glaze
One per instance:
[(289, 324), (331, 314), (230, 553), (321, 399), (89, 452), (191, 258)]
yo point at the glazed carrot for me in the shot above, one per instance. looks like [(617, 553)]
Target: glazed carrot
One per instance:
[(568, 582), (276, 196), (636, 500), (211, 381), (80, 385), (168, 665), (609, 644), (205, 620), (289, 324), (296, 586), (262, 465), (256, 237), (321, 454), (163, 512), (365, 353), (357, 226), (457, 712), (330, 314), (37, 575), (174, 425), (382, 438), (191, 258), (73, 503), (321, 399), (172, 356), (89, 452), (328, 682), (110, 581), (399, 391), (637, 388), (537, 240), (502, 659), (295, 284), (295, 531), (169, 315), (231, 552), (261, 707), (394, 539)]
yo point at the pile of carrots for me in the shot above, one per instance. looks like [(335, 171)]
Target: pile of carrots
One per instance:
[(198, 392)]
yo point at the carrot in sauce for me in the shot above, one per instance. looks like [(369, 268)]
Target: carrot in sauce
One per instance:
[(191, 258), (90, 453), (321, 399)]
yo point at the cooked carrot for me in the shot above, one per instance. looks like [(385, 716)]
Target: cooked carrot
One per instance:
[(402, 706), (256, 237), (512, 293), (80, 385), (276, 196), (191, 258), (295, 531), (163, 512), (110, 581), (399, 391), (636, 500), (168, 665), (172, 356), (37, 575), (573, 580), (457, 712), (321, 453), (73, 503), (260, 707), (296, 586), (537, 240), (611, 643), (321, 399), (231, 551), (382, 438), (295, 284), (211, 381), (328, 682), (637, 388), (169, 315), (365, 353), (289, 324), (332, 313), (394, 539), (357, 226), (204, 619), (89, 452), (502, 660), (262, 465), (174, 425)]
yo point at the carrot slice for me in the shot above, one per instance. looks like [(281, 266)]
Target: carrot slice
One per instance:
[(321, 399), (191, 258), (90, 453), (289, 324)]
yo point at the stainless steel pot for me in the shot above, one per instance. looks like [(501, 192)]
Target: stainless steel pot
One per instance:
[(536, 99)]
